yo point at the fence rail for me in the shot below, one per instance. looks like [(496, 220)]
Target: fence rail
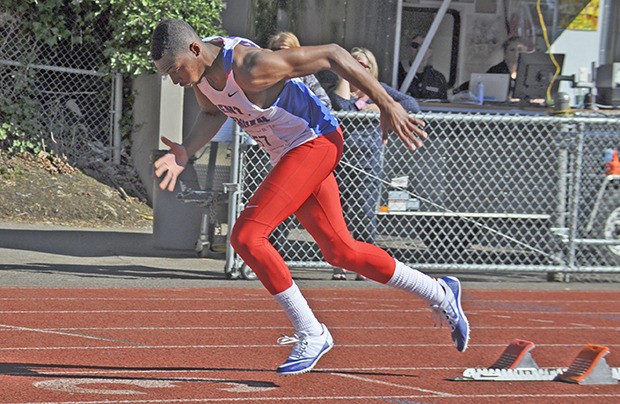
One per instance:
[(75, 109), (486, 192)]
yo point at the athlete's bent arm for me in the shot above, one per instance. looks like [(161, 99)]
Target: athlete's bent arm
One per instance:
[(208, 122), (258, 70)]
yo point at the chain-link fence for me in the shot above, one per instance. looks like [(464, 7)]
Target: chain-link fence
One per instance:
[(488, 192), (70, 99)]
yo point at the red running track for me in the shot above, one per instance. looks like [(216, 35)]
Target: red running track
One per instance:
[(218, 345)]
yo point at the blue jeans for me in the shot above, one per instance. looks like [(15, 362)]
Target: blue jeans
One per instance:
[(360, 191)]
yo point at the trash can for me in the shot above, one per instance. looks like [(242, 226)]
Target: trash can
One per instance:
[(176, 224)]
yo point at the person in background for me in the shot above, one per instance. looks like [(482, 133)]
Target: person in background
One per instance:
[(234, 77), (360, 191), (428, 83), (512, 47), (287, 40)]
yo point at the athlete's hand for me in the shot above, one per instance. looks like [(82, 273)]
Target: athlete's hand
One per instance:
[(408, 128), (173, 163)]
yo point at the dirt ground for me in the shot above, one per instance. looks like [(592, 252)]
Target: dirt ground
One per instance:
[(45, 189)]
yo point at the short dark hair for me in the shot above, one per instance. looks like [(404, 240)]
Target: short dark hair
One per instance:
[(172, 37)]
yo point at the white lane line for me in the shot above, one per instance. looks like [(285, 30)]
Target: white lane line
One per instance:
[(331, 398), (275, 310), (229, 346), (50, 371), (401, 386), (261, 297), (69, 334), (574, 326), (540, 321)]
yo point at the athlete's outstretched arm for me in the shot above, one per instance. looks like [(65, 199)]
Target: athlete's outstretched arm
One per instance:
[(259, 69)]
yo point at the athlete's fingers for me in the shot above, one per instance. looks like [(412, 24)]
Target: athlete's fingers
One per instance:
[(168, 182), (163, 184), (160, 170), (173, 181), (416, 132)]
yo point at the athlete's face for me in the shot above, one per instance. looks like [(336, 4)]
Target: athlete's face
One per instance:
[(184, 69)]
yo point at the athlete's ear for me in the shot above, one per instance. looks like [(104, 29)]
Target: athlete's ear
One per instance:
[(195, 48)]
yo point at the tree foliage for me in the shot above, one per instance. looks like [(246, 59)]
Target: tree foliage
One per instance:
[(131, 23), (102, 35), (121, 29)]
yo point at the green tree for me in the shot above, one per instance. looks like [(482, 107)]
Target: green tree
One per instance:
[(131, 23), (114, 33)]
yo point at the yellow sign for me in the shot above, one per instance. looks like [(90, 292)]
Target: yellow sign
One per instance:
[(587, 19)]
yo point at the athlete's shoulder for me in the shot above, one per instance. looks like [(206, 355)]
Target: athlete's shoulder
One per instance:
[(230, 41)]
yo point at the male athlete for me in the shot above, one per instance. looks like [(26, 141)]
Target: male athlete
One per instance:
[(257, 88)]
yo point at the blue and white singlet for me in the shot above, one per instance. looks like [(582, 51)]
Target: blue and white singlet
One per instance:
[(296, 116)]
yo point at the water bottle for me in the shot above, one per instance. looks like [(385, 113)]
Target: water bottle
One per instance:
[(480, 92)]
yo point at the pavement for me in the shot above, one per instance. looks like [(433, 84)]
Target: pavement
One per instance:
[(44, 255)]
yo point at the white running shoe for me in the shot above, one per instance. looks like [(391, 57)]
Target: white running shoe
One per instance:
[(450, 309), (306, 353)]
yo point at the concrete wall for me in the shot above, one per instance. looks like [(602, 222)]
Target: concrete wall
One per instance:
[(146, 126), (158, 111)]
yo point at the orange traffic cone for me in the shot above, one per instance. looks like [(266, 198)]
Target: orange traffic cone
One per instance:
[(613, 167)]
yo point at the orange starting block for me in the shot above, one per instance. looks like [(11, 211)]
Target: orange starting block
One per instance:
[(516, 363), (589, 367), (516, 355)]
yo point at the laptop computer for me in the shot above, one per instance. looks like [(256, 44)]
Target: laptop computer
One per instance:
[(496, 86)]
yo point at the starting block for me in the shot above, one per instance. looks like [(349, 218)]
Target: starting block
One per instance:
[(517, 364), (516, 356), (589, 367)]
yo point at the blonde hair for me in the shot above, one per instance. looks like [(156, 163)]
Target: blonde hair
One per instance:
[(283, 38), (374, 67)]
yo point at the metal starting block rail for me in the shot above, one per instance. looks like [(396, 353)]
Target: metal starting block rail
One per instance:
[(517, 364)]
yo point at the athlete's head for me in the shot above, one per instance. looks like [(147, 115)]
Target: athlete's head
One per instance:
[(176, 49), (171, 38)]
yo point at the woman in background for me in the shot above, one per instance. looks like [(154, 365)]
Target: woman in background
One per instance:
[(363, 148), (287, 40)]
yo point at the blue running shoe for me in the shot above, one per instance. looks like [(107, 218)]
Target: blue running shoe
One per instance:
[(451, 310), (306, 353)]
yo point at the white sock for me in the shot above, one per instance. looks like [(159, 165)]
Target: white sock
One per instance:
[(296, 308), (414, 281)]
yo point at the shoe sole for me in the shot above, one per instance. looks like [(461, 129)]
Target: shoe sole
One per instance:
[(309, 368)]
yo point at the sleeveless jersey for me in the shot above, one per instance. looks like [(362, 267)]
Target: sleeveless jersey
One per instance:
[(296, 116)]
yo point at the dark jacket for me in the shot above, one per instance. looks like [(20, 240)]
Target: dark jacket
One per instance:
[(429, 84)]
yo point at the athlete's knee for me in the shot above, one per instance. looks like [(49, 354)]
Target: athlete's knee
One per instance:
[(245, 235), (342, 256)]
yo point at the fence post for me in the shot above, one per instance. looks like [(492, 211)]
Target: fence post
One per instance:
[(117, 112), (578, 132), (233, 189)]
